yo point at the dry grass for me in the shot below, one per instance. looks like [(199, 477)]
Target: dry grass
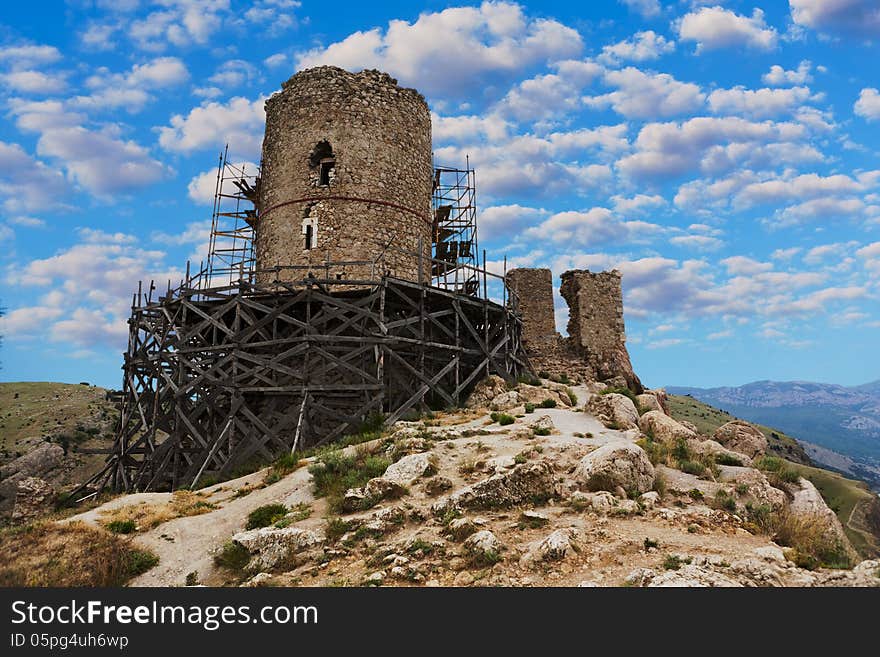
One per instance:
[(69, 555), (146, 516), (813, 542)]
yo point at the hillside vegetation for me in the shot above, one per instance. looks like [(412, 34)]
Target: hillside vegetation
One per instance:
[(857, 507), (78, 418)]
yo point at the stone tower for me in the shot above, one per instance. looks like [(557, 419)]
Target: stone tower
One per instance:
[(534, 291), (346, 171)]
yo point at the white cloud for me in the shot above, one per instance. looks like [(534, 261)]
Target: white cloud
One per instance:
[(826, 209), (844, 17), (507, 221), (745, 266), (494, 38), (34, 82), (638, 204), (27, 184), (234, 73), (868, 104), (129, 90), (666, 150), (550, 94), (202, 187), (645, 8), (26, 56), (779, 77), (757, 103), (697, 242), (819, 254), (640, 47), (715, 27), (239, 123), (595, 226), (28, 222), (644, 96)]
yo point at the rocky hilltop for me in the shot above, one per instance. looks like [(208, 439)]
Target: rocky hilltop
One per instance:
[(537, 484), (839, 425)]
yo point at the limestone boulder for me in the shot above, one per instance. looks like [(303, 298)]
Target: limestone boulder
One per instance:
[(721, 453), (483, 547), (485, 391), (742, 437), (270, 547), (648, 402), (33, 498), (808, 506), (409, 469), (376, 490), (505, 401), (613, 465), (437, 485), (663, 428), (690, 576), (525, 483), (558, 545), (614, 410), (543, 425), (537, 394)]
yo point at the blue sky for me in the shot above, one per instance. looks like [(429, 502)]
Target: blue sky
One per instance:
[(723, 155)]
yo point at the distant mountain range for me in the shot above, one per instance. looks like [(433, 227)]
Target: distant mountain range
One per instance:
[(839, 425)]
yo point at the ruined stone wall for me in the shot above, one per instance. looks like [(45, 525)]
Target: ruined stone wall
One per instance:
[(534, 292), (595, 323), (378, 136), (596, 347)]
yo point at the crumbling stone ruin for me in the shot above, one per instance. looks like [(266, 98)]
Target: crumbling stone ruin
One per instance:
[(346, 172), (595, 349)]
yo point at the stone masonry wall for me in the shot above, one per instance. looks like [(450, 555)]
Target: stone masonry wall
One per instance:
[(379, 187), (534, 291), (595, 323), (596, 346)]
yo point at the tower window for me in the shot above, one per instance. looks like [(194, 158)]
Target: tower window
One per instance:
[(310, 234), (323, 160), (310, 228), (326, 165)]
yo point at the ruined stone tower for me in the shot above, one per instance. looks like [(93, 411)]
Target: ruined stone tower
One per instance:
[(346, 171), (595, 348)]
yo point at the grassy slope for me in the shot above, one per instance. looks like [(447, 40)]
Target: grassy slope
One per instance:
[(69, 414), (708, 418), (856, 506)]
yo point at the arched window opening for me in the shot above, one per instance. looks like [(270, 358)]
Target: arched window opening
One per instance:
[(310, 228), (323, 159)]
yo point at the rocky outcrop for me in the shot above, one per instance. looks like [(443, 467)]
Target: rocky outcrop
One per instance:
[(663, 428), (483, 548), (616, 465), (808, 506), (485, 391), (527, 482), (613, 410), (409, 469), (33, 498), (742, 437), (722, 454), (271, 547), (376, 490)]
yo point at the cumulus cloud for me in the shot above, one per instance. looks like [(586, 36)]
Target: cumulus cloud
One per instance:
[(593, 227), (34, 82), (868, 104), (638, 204), (27, 56), (239, 123), (779, 77), (645, 8), (494, 38), (640, 47), (28, 184), (648, 95), (130, 90), (758, 103), (507, 221), (838, 17), (202, 187), (550, 94), (715, 27), (667, 150)]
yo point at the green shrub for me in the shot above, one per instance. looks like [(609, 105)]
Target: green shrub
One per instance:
[(192, 579), (692, 467), (727, 459), (742, 489), (626, 392), (122, 526), (724, 501), (651, 543), (265, 515), (769, 463), (541, 431), (528, 379), (335, 528), (530, 408), (282, 466), (572, 397), (548, 403), (674, 561), (232, 556), (695, 494), (335, 472), (139, 562), (502, 418)]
